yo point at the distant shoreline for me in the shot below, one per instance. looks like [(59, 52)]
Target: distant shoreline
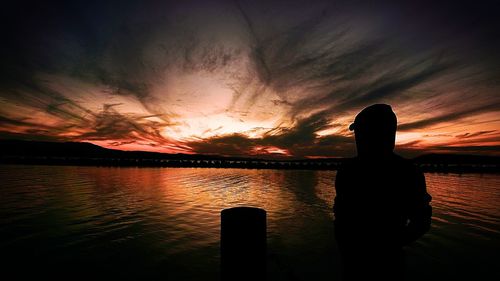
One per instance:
[(237, 164), (86, 154), (174, 163)]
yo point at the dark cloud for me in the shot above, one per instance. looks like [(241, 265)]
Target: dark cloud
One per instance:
[(110, 124), (436, 135), (32, 137), (453, 116), (21, 122), (341, 65), (474, 149), (120, 143), (84, 124), (475, 134), (301, 140)]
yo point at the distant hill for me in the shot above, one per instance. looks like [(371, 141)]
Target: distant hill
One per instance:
[(82, 150), (44, 148)]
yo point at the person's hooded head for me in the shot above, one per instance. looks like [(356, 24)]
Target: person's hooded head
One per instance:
[(375, 130)]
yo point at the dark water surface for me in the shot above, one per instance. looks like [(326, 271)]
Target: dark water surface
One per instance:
[(163, 223)]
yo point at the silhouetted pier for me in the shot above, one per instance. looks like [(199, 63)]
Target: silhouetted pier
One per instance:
[(243, 164)]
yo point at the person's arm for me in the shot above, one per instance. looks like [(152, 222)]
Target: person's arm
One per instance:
[(339, 204), (338, 201), (420, 211)]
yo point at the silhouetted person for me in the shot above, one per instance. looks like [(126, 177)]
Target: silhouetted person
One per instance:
[(381, 203)]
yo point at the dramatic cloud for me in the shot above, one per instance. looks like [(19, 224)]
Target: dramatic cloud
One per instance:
[(275, 78), (300, 140)]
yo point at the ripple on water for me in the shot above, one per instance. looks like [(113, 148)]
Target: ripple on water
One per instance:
[(166, 221)]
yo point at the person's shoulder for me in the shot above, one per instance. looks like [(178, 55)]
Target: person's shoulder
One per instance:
[(402, 160), (405, 164), (348, 162)]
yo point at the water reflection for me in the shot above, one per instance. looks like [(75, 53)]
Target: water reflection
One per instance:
[(164, 223), (466, 222)]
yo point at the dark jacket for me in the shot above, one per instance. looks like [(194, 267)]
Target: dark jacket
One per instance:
[(380, 204)]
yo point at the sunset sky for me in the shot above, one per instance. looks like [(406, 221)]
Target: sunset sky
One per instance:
[(275, 78)]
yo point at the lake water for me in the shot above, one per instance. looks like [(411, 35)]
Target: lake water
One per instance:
[(164, 223)]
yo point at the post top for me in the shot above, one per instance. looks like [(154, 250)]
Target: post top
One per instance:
[(243, 210)]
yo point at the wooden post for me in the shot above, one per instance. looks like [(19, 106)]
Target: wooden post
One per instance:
[(243, 244)]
